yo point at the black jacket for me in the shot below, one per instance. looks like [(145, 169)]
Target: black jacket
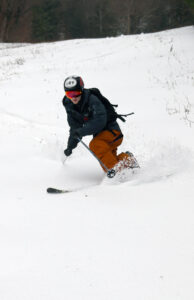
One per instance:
[(89, 116)]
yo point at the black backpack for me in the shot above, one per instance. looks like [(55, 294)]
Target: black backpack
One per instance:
[(111, 112)]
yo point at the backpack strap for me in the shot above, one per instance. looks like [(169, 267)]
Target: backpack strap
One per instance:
[(126, 115)]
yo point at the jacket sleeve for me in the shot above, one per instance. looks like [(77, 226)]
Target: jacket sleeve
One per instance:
[(98, 120), (72, 143)]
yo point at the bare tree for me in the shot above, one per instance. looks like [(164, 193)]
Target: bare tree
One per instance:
[(14, 17)]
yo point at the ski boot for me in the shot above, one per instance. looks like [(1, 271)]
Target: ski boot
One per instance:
[(132, 161)]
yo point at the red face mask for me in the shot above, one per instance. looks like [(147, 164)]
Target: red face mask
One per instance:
[(73, 94)]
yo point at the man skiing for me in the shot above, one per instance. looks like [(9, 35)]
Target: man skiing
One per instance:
[(86, 115)]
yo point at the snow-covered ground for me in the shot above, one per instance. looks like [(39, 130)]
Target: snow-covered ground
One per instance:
[(108, 239)]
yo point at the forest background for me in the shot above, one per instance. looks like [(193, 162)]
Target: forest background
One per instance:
[(53, 20)]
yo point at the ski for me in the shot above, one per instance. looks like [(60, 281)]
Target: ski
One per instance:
[(51, 190)]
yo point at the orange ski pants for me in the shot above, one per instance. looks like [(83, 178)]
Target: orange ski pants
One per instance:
[(104, 146)]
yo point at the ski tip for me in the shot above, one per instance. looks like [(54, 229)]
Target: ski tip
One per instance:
[(51, 190)]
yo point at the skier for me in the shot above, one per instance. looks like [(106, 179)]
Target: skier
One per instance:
[(86, 115)]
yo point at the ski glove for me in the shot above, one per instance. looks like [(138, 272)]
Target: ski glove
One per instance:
[(68, 152)]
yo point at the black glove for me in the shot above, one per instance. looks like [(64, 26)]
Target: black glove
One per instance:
[(68, 152)]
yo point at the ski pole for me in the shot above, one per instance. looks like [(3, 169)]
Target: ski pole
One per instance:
[(110, 172)]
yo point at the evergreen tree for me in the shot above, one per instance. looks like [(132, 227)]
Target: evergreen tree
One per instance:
[(46, 21)]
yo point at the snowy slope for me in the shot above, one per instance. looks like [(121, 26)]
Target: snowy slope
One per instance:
[(107, 239)]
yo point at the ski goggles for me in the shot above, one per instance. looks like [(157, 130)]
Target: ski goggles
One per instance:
[(73, 94)]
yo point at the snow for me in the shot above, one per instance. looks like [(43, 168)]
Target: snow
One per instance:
[(131, 237)]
